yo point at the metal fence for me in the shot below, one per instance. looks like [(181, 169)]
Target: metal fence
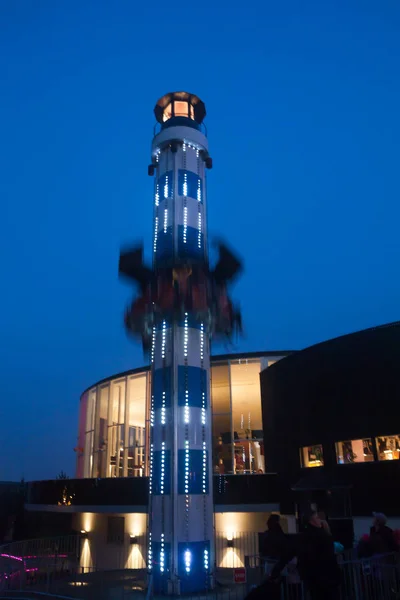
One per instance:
[(40, 568), (376, 578)]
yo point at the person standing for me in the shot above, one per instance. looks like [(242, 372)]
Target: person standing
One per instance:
[(274, 543), (316, 560), (381, 537)]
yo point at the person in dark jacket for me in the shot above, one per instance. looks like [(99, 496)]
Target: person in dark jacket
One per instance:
[(316, 560), (381, 537), (273, 541)]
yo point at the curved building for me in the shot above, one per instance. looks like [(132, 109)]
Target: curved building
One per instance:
[(114, 418), (332, 421)]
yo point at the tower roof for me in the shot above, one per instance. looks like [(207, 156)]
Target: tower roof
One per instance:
[(180, 104)]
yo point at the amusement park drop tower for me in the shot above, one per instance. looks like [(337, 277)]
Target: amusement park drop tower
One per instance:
[(182, 304)]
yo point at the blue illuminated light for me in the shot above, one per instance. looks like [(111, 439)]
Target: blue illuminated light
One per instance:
[(163, 410), (149, 554), (204, 467), (185, 354), (199, 228), (162, 475), (162, 554), (185, 223), (151, 469), (186, 467), (188, 560), (206, 563), (153, 344), (164, 339), (165, 220), (155, 233)]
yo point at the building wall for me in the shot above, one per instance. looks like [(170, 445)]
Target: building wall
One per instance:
[(105, 547), (343, 390), (114, 421), (242, 530), (335, 406), (100, 552)]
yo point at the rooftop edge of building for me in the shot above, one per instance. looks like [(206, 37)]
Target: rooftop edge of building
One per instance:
[(215, 358)]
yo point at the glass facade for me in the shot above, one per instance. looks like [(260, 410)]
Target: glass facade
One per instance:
[(114, 419)]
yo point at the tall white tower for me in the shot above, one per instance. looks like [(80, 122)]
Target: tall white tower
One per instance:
[(182, 304), (181, 546)]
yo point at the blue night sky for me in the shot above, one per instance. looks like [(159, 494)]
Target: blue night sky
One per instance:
[(304, 129)]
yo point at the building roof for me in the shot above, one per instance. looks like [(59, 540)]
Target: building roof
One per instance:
[(214, 359)]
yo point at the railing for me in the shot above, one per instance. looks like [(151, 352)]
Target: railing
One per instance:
[(376, 578), (134, 491), (129, 491), (53, 567), (247, 489), (31, 562)]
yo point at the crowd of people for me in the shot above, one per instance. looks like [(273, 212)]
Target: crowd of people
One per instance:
[(311, 557)]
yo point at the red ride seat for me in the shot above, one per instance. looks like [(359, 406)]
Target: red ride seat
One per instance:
[(165, 300), (199, 296)]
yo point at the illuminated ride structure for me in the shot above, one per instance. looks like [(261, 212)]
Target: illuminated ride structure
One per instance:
[(183, 303)]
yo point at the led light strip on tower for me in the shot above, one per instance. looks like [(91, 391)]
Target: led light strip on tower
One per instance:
[(185, 193), (186, 420), (163, 409), (151, 469), (166, 203), (202, 342), (199, 220), (187, 467), (155, 233), (162, 554), (185, 183), (186, 336), (152, 411), (164, 339), (185, 220), (163, 443), (199, 228), (203, 429), (165, 219), (162, 474), (188, 560), (149, 554), (157, 195), (153, 344), (205, 555), (185, 354), (204, 467)]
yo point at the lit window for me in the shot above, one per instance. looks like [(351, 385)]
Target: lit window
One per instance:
[(312, 456), (181, 109), (388, 447), (354, 451), (167, 114), (249, 457)]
